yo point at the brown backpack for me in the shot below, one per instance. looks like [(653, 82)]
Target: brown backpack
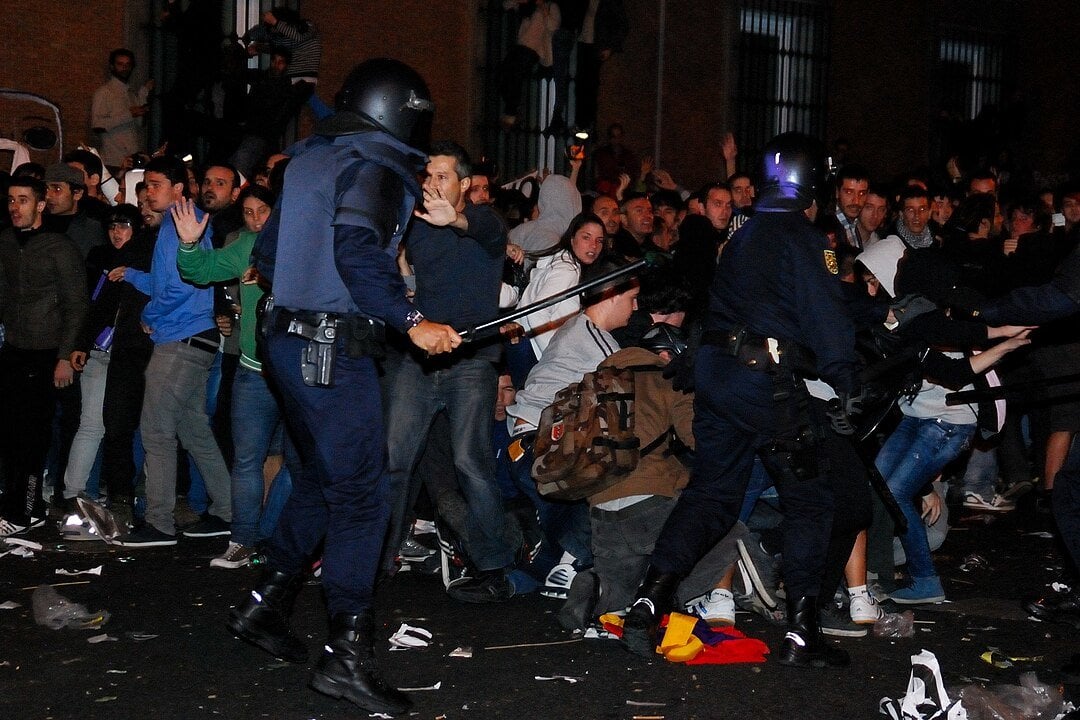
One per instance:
[(585, 442)]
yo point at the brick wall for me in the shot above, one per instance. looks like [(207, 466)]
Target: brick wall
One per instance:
[(60, 50)]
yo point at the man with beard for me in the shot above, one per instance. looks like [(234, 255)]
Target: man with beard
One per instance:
[(116, 112)]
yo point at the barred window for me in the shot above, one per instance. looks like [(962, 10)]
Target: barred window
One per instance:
[(970, 73), (782, 69)]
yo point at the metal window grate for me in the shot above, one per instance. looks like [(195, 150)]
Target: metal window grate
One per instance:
[(782, 70), (970, 70), (526, 146)]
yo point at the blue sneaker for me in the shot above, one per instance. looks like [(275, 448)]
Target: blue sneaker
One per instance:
[(920, 591)]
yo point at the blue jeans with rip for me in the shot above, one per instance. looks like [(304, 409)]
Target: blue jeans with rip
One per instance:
[(909, 460)]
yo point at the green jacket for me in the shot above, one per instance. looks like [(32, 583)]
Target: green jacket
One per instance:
[(204, 267)]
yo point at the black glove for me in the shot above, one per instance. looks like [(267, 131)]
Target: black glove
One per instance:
[(680, 371), (843, 411)]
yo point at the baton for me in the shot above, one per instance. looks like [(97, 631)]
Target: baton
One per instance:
[(651, 259), (1002, 391), (879, 484)]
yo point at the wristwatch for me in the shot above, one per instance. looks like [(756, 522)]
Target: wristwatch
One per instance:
[(414, 318)]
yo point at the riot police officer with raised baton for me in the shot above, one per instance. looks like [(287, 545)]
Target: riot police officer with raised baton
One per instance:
[(329, 250)]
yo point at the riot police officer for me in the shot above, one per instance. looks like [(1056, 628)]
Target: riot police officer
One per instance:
[(329, 250), (776, 315)]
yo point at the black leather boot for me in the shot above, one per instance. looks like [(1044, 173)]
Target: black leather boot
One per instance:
[(346, 669), (804, 645), (654, 599), (263, 620)]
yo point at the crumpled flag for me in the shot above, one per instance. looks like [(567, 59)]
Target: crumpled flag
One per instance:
[(717, 646)]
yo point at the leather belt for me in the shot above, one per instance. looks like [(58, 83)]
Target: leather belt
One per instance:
[(202, 342)]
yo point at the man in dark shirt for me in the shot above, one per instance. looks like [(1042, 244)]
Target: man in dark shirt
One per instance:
[(457, 251)]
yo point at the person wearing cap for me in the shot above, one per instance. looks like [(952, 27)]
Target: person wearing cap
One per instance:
[(64, 191), (43, 304), (328, 252)]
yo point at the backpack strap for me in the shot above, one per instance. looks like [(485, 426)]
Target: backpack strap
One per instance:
[(658, 441)]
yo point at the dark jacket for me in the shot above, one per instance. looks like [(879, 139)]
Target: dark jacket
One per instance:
[(43, 300)]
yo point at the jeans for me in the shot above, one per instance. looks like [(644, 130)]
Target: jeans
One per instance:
[(255, 416), (175, 406), (623, 543), (980, 476), (84, 448), (565, 524), (196, 494), (909, 460), (466, 391)]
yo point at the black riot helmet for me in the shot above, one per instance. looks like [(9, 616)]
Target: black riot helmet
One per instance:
[(662, 336), (792, 169), (388, 94)]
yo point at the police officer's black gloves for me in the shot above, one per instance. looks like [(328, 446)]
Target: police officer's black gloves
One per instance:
[(843, 412), (680, 371)]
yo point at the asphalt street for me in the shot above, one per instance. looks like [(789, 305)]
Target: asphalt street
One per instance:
[(168, 655)]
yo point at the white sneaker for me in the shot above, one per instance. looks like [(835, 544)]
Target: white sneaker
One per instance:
[(716, 607), (558, 582), (864, 609), (8, 528), (998, 503), (235, 556)]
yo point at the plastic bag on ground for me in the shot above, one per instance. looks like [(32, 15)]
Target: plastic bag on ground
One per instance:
[(1030, 700), (55, 612), (895, 625)]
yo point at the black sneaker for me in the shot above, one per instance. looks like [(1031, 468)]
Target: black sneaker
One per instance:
[(146, 536), (760, 568), (838, 623), (207, 526), (485, 587)]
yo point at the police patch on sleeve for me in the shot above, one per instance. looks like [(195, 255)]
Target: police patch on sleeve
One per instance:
[(830, 262)]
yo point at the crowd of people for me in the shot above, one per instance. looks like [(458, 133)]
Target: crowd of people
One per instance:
[(292, 349)]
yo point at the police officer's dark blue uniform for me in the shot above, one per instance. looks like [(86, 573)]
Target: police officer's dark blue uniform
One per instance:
[(329, 250), (775, 293)]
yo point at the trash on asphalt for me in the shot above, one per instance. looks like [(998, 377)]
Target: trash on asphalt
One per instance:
[(73, 573), (9, 605), (974, 562), (139, 636), (410, 636), (54, 611), (101, 519), (994, 656), (436, 686), (926, 697), (461, 652), (895, 625), (21, 543), (568, 678), (104, 637), (598, 634), (1030, 700)]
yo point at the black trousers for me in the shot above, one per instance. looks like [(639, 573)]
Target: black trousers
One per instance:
[(124, 386), (27, 404)]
